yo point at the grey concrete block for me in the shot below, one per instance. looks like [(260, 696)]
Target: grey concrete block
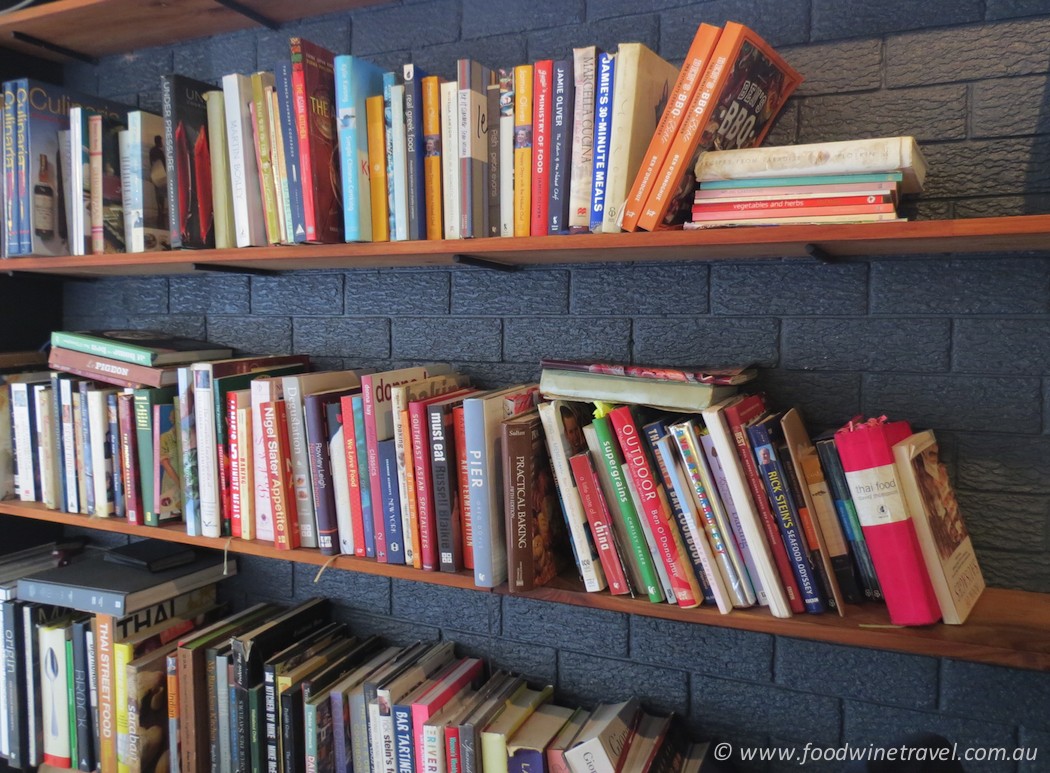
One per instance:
[(640, 290), (128, 295), (773, 289), (1003, 463), (341, 337), (853, 19), (721, 341), (963, 287), (528, 339), (1015, 570), (538, 665), (389, 293), (394, 631), (909, 681), (558, 42), (133, 72), (827, 400), (833, 68), (1002, 206), (785, 126), (210, 59), (480, 291), (218, 294), (499, 51), (1014, 522), (1035, 743), (493, 375), (266, 576), (481, 20), (591, 679), (436, 338), (252, 335), (970, 403), (565, 627), (616, 9), (1020, 346), (989, 167), (1008, 9), (1008, 696), (1010, 107), (298, 294), (865, 344), (351, 590), (936, 113), (384, 27), (468, 610), (779, 23), (331, 32), (702, 649)]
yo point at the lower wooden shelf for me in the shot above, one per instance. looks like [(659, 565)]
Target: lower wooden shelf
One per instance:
[(1007, 628)]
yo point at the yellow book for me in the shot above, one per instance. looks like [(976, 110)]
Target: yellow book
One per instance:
[(261, 81), (410, 494), (518, 709), (432, 155), (522, 149), (123, 653), (280, 174), (221, 190), (377, 169)]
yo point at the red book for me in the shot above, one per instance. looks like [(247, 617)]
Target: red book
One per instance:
[(653, 510), (279, 474), (866, 451), (597, 511), (778, 206), (464, 486), (738, 416), (749, 214), (234, 458), (313, 90), (129, 458), (353, 474), (542, 72), (456, 678)]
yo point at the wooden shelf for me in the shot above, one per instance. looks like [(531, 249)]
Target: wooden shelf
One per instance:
[(1008, 628), (1026, 233), (98, 28)]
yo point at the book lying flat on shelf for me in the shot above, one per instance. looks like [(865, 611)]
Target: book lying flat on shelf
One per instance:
[(139, 347), (672, 395)]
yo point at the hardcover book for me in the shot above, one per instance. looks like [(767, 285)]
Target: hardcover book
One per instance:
[(603, 111), (262, 83), (432, 161), (415, 149), (523, 116), (188, 152), (107, 208), (224, 226), (378, 181), (943, 537), (450, 177), (139, 347), (356, 80), (542, 75), (560, 147), (743, 89), (313, 85), (585, 69), (285, 98), (671, 395), (474, 80), (248, 216)]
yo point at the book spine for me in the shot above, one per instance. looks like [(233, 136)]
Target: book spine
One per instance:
[(144, 446), (335, 532), (399, 181), (407, 479), (542, 74), (131, 183), (171, 672), (11, 200), (357, 218), (22, 414), (446, 496), (123, 654), (303, 500), (560, 147), (167, 98), (492, 144), (377, 179), (116, 456), (467, 76), (419, 433), (101, 461), (517, 498), (321, 477), (236, 510), (391, 511), (611, 457), (506, 153), (260, 113), (645, 484), (787, 516), (290, 134), (80, 450), (404, 748), (134, 511), (352, 535), (81, 701), (45, 447), (280, 169), (69, 447), (432, 156), (371, 411), (603, 113), (86, 455), (98, 240), (238, 146), (598, 517), (15, 676), (389, 82), (271, 718), (104, 630), (581, 178), (450, 159), (57, 745), (488, 536), (25, 233), (414, 148), (826, 585), (737, 426), (523, 83), (367, 527), (301, 111), (219, 158), (207, 452), (463, 468), (685, 86), (262, 390), (275, 438)]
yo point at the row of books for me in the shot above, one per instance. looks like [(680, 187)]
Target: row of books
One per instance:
[(859, 181), (184, 684), (664, 491), (328, 148)]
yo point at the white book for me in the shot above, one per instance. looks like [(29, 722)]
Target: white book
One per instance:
[(207, 455), (561, 447), (132, 209), (714, 419), (341, 486), (581, 177), (22, 410), (399, 183), (79, 174), (506, 175), (146, 215), (47, 450), (248, 218), (450, 158), (101, 461), (69, 448), (221, 185), (601, 741), (55, 707), (264, 390)]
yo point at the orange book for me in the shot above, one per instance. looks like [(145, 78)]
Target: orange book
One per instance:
[(742, 91), (432, 155), (410, 491), (689, 76), (377, 168), (522, 149)]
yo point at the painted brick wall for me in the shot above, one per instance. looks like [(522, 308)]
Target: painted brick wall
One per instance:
[(959, 344)]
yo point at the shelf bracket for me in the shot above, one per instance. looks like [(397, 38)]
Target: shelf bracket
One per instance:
[(474, 260), (249, 13), (819, 253), (54, 48), (221, 269)]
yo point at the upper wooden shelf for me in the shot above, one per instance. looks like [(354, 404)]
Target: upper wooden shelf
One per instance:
[(924, 237), (98, 28), (1007, 628)]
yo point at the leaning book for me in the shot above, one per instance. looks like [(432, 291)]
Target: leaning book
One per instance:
[(943, 537)]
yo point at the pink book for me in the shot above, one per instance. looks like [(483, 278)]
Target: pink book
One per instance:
[(597, 512), (866, 450), (792, 191), (455, 679)]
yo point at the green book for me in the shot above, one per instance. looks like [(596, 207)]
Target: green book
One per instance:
[(139, 347), (145, 400)]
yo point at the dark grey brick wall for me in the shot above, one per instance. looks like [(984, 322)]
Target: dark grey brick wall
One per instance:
[(954, 343)]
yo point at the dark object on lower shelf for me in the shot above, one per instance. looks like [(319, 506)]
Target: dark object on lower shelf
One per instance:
[(153, 555)]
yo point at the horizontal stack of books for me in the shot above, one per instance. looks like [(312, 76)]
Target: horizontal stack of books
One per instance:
[(660, 483), (858, 181), (594, 141)]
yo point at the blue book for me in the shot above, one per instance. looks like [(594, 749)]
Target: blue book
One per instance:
[(85, 456), (560, 147), (188, 448), (391, 498), (786, 512), (653, 432), (390, 79), (113, 439), (365, 484), (417, 215), (10, 198), (56, 428), (286, 105), (355, 80), (404, 751), (830, 179), (603, 104), (23, 234)]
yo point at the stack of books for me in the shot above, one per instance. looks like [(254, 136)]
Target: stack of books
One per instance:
[(858, 181)]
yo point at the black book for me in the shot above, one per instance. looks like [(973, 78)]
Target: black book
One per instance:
[(82, 695), (186, 151), (15, 674), (153, 555)]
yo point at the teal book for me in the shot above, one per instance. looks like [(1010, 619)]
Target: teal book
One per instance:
[(830, 179), (145, 401), (355, 81)]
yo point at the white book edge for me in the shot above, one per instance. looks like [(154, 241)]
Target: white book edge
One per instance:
[(450, 158), (400, 145)]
